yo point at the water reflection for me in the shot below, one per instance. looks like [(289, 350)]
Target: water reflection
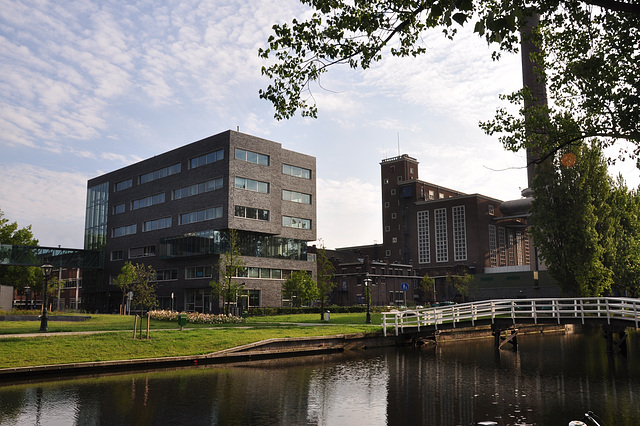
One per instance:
[(550, 380)]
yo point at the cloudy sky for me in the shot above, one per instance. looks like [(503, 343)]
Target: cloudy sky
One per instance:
[(91, 86)]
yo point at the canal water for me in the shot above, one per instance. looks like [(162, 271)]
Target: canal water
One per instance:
[(551, 380)]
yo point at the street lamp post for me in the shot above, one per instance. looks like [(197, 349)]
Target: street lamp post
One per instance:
[(27, 289), (367, 295), (46, 271)]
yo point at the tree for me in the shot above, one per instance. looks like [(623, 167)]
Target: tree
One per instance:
[(427, 284), (625, 208), (461, 284), (326, 284), (588, 58), (138, 280), (18, 277), (124, 281), (300, 288), (230, 267), (572, 224), (144, 290), (588, 61)]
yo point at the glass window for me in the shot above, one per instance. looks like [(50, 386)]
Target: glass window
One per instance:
[(198, 272), (211, 157), (296, 222), (197, 188), (152, 225), (117, 255), (201, 215), (459, 234), (124, 184), (147, 201), (160, 173), (252, 157), (252, 185), (296, 171), (142, 252), (424, 249), (296, 197), (167, 275), (254, 297), (251, 213), (124, 230), (118, 208)]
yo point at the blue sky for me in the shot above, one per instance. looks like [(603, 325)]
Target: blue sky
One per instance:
[(91, 86)]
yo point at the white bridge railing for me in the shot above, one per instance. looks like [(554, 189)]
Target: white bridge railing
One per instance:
[(533, 310)]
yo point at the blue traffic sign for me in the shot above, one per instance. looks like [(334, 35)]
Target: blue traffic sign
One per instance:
[(405, 286)]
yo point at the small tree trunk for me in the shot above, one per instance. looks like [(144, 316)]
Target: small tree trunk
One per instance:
[(135, 326)]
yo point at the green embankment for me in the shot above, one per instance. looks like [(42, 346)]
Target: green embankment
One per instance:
[(115, 340)]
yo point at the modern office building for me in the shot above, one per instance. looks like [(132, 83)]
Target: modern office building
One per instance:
[(173, 211)]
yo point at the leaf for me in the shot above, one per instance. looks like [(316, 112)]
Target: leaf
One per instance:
[(460, 18)]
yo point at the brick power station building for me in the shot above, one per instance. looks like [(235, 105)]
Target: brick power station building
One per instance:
[(432, 230)]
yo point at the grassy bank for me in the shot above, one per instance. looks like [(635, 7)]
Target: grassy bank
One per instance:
[(166, 339)]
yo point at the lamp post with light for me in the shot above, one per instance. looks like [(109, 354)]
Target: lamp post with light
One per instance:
[(367, 295), (46, 271)]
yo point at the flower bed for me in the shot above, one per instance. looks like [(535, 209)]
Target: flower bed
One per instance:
[(196, 317)]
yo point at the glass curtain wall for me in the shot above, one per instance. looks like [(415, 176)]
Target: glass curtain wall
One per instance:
[(95, 226)]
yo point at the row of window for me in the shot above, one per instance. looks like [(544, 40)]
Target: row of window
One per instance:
[(210, 214), (212, 157), (199, 272), (505, 243), (211, 185), (176, 194), (441, 235), (166, 222)]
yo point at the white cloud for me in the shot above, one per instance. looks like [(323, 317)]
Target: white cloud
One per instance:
[(52, 201), (346, 208), (93, 86)]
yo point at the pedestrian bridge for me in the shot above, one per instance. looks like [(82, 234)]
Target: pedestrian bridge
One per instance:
[(614, 314), (56, 256)]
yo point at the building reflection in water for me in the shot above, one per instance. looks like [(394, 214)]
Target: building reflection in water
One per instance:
[(552, 379)]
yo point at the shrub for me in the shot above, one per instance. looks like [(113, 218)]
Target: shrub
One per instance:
[(196, 317)]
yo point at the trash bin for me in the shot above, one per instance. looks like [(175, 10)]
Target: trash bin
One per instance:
[(327, 316), (182, 320)]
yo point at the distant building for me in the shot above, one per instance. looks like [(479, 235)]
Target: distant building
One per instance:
[(432, 230), (172, 212), (392, 284)]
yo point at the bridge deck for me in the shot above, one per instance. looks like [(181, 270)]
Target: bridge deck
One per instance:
[(620, 312)]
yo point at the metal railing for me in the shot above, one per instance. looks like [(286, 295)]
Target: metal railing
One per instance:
[(525, 310)]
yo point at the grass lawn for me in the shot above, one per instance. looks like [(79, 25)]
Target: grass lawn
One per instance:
[(166, 339)]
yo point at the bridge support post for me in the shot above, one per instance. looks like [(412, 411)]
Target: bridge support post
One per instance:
[(511, 337), (613, 344)]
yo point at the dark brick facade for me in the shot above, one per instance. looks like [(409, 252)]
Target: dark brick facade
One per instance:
[(194, 294)]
